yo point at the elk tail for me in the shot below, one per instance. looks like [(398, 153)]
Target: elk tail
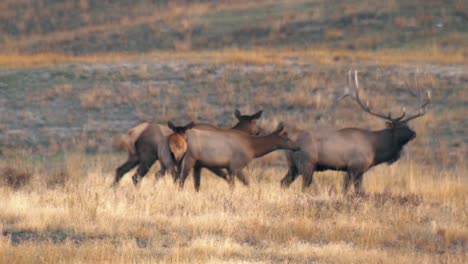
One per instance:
[(178, 146)]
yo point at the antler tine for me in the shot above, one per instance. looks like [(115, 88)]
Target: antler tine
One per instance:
[(362, 105), (347, 93), (422, 109), (422, 105), (400, 117)]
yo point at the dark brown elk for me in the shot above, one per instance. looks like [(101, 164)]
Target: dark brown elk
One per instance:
[(352, 150), (148, 142), (227, 149)]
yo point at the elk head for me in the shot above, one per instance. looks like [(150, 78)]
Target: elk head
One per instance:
[(248, 123), (398, 126), (281, 137), (177, 143)]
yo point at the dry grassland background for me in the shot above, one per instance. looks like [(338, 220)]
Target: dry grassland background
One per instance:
[(76, 75)]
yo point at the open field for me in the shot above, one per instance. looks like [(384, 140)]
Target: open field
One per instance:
[(60, 125), (412, 214), (74, 76)]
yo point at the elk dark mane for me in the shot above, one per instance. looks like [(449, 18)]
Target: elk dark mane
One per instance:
[(352, 150)]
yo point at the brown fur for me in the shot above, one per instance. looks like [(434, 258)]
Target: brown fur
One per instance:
[(178, 146), (148, 142), (228, 149), (352, 150), (127, 141)]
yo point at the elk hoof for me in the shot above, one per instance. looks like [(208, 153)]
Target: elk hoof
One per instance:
[(136, 179), (284, 184)]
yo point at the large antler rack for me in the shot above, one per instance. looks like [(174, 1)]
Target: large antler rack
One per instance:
[(365, 107), (422, 104)]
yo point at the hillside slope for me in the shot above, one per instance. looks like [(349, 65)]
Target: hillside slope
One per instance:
[(88, 27)]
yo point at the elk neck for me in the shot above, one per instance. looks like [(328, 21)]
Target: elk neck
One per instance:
[(262, 145), (242, 126), (386, 147)]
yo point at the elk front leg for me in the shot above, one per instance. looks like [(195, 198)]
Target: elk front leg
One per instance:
[(230, 177), (357, 181), (197, 177), (290, 176), (347, 180), (308, 177), (240, 175), (356, 178)]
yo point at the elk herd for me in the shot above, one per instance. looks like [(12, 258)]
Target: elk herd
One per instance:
[(225, 152)]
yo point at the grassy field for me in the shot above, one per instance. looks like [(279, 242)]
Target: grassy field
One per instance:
[(74, 76), (58, 163), (411, 213)]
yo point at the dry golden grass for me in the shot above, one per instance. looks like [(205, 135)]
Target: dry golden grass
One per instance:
[(94, 99), (280, 57), (413, 213)]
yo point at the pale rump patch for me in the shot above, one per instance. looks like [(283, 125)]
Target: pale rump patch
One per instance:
[(135, 132), (132, 136), (127, 141), (178, 146)]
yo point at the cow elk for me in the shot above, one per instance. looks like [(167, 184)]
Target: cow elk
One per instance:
[(352, 150), (148, 142), (227, 149)]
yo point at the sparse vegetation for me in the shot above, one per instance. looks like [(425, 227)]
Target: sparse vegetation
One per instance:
[(412, 213), (75, 75)]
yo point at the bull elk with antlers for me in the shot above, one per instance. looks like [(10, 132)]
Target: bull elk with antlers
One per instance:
[(353, 150)]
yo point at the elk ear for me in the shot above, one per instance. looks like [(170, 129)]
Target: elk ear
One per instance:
[(280, 128), (171, 126), (389, 124), (237, 113), (190, 125), (257, 115), (284, 133)]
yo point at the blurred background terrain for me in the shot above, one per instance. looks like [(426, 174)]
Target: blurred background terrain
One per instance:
[(83, 71), (76, 75), (88, 26)]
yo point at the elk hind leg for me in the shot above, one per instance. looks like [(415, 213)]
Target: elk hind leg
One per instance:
[(187, 165), (218, 172), (162, 171), (131, 162), (143, 168)]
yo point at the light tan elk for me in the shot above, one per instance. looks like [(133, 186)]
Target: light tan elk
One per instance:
[(148, 142), (352, 150), (227, 149)]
